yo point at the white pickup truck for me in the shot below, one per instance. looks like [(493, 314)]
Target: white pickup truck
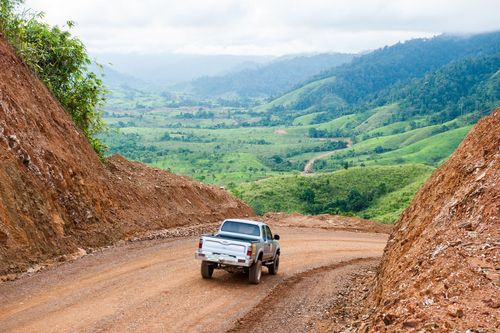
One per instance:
[(240, 245)]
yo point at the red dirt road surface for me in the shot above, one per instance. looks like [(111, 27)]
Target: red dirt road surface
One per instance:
[(156, 286)]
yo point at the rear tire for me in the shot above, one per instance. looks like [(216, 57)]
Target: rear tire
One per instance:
[(273, 268), (207, 269), (255, 272)]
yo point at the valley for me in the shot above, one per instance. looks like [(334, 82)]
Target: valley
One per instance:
[(378, 171), (398, 117)]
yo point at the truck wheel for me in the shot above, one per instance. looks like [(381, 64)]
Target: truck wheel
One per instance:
[(207, 269), (255, 272), (273, 268)]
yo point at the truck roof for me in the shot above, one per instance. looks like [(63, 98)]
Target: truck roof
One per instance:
[(246, 221)]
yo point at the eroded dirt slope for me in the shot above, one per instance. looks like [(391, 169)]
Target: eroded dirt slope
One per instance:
[(326, 221), (440, 269), (56, 195)]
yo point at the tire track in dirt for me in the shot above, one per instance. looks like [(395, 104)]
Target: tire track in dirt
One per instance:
[(294, 295)]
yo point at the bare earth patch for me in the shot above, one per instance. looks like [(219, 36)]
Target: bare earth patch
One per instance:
[(280, 131)]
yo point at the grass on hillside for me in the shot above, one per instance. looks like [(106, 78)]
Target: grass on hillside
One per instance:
[(288, 100), (424, 145), (388, 208)]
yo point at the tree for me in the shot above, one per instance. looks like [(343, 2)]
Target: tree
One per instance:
[(277, 159), (61, 62), (356, 201), (307, 195), (165, 137), (313, 132)]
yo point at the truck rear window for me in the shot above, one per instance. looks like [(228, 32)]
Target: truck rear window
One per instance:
[(241, 228)]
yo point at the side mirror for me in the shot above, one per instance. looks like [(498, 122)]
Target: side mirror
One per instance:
[(276, 237)]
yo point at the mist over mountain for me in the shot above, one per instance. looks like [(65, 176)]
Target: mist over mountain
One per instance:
[(162, 70), (269, 79)]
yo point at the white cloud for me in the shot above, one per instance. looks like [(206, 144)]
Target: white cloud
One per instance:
[(264, 26)]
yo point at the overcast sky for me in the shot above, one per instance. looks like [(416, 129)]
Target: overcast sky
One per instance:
[(263, 27)]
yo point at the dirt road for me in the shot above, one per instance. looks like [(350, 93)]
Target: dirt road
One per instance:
[(308, 168), (156, 286)]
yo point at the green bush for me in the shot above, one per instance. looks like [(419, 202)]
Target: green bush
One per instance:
[(61, 61)]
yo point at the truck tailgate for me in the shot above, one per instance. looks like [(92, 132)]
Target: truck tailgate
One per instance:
[(230, 247)]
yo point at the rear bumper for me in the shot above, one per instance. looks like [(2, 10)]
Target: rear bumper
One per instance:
[(223, 260)]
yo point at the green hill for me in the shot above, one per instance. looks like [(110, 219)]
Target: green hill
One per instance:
[(379, 192)]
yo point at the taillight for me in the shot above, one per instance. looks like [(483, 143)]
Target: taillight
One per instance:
[(200, 243), (251, 250)]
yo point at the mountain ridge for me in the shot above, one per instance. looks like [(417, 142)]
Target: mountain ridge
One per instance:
[(397, 64), (267, 79)]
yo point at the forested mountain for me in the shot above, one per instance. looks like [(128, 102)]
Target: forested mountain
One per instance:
[(367, 77), (464, 86), (270, 79)]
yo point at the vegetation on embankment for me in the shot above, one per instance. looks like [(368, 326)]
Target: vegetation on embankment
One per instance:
[(380, 192), (61, 61)]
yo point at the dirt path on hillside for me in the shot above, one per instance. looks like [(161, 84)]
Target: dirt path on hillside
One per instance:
[(156, 286), (308, 168)]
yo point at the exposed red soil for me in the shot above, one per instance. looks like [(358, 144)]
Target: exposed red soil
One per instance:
[(347, 310), (55, 193), (440, 270), (325, 221)]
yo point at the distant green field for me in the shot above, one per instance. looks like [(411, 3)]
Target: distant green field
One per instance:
[(377, 118), (388, 162), (211, 145), (431, 151), (306, 119), (425, 145), (292, 97), (198, 147)]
